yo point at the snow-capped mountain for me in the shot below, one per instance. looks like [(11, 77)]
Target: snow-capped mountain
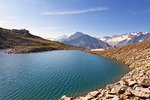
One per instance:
[(128, 38), (83, 40), (60, 38)]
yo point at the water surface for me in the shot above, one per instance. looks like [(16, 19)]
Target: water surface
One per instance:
[(52, 74)]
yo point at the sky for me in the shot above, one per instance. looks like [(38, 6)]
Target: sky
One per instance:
[(98, 18)]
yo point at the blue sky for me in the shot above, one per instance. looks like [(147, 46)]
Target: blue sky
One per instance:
[(52, 18)]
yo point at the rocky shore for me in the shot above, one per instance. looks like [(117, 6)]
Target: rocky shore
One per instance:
[(29, 49), (32, 49), (135, 85)]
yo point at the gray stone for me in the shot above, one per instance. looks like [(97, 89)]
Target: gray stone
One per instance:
[(140, 94), (94, 93), (132, 83), (65, 98)]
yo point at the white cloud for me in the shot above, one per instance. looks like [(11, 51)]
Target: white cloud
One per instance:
[(13, 17), (76, 11)]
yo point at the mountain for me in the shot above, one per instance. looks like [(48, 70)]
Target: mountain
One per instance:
[(105, 38), (75, 36), (25, 42), (83, 40), (59, 39), (128, 38)]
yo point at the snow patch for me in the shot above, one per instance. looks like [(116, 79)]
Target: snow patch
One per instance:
[(140, 40), (145, 33), (97, 49), (103, 39)]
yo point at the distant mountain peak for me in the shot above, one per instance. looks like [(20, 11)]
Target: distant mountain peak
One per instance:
[(79, 33), (60, 38), (75, 36), (86, 41), (127, 38)]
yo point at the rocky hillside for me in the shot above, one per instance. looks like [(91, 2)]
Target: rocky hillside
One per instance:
[(24, 42), (125, 39), (135, 85), (14, 37), (83, 40)]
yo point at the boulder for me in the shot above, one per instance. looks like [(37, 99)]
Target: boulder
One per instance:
[(145, 82), (118, 90), (128, 92), (94, 93), (83, 98), (87, 97), (110, 86), (102, 94), (132, 83), (111, 97), (121, 91), (140, 94), (145, 90), (65, 98)]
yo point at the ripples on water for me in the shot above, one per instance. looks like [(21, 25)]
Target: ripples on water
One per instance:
[(49, 75)]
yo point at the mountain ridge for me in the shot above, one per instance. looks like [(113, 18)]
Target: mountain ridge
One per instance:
[(80, 39), (127, 38), (115, 40)]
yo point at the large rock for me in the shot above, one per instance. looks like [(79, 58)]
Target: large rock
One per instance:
[(102, 94), (118, 89), (110, 86), (145, 82), (132, 83), (141, 94), (91, 95), (88, 97), (111, 97), (94, 93), (145, 90), (20, 31), (65, 98)]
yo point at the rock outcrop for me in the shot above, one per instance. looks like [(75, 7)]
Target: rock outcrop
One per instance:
[(135, 85), (29, 49), (32, 49)]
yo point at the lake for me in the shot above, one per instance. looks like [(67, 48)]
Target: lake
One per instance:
[(52, 74)]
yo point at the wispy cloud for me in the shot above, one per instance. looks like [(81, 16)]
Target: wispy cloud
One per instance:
[(76, 11), (131, 12)]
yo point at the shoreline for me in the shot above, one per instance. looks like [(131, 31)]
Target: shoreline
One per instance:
[(134, 85), (116, 80), (76, 96), (34, 49), (85, 94)]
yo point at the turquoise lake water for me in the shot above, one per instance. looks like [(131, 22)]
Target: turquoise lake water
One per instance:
[(52, 74)]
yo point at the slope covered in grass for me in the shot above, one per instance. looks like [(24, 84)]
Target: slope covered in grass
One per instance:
[(11, 38), (24, 42)]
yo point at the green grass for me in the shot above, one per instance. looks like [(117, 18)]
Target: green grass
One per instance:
[(18, 38)]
